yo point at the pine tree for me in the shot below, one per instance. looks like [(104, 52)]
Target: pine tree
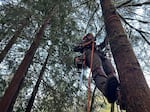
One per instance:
[(30, 103), (9, 97), (23, 23)]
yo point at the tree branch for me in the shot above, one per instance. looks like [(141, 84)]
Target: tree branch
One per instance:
[(145, 22), (99, 31), (123, 4), (92, 16), (144, 38), (139, 4), (139, 31)]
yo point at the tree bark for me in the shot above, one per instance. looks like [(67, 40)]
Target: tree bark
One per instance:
[(35, 90), (24, 23), (12, 91), (134, 88)]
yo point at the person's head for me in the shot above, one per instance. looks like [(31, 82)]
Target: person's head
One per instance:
[(89, 36)]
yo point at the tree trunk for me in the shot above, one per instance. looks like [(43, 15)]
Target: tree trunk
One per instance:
[(24, 23), (12, 91), (35, 90), (134, 88)]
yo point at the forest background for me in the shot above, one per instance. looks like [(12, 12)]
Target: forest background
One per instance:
[(60, 89)]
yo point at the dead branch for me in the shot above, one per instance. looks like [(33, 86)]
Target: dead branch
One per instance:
[(138, 30), (123, 4), (138, 4), (145, 22), (92, 16)]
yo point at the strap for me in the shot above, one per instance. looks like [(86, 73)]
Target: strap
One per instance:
[(89, 79)]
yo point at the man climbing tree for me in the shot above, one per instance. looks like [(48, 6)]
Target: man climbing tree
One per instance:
[(103, 72)]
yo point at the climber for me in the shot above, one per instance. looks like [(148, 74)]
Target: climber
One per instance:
[(103, 72)]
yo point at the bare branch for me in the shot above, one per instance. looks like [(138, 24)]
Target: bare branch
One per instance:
[(138, 30), (143, 16), (99, 31), (139, 4), (144, 38), (145, 22), (92, 16), (123, 4)]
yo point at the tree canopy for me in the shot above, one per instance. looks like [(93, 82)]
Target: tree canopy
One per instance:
[(60, 89)]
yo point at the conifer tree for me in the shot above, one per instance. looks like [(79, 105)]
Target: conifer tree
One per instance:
[(134, 88), (9, 97), (23, 23), (30, 103)]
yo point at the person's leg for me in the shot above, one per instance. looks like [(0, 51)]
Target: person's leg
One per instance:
[(98, 73), (112, 82), (100, 82), (108, 67), (106, 85)]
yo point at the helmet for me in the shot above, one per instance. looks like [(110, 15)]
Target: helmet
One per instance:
[(89, 36)]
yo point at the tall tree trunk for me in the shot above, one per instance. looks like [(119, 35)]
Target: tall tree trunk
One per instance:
[(12, 91), (35, 90), (133, 84), (24, 23)]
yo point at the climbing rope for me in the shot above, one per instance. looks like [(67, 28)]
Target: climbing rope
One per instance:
[(112, 107), (89, 79)]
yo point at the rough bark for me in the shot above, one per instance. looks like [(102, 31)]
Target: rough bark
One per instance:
[(35, 90), (134, 88), (12, 91), (24, 23)]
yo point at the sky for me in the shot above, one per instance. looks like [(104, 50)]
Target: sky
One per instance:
[(1, 1)]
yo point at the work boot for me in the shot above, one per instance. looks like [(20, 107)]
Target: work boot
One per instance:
[(111, 89)]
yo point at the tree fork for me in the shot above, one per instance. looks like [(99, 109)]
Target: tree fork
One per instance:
[(134, 88)]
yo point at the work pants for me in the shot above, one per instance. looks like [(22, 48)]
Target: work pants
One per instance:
[(101, 69)]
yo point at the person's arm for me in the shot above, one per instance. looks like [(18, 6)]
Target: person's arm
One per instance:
[(82, 45)]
